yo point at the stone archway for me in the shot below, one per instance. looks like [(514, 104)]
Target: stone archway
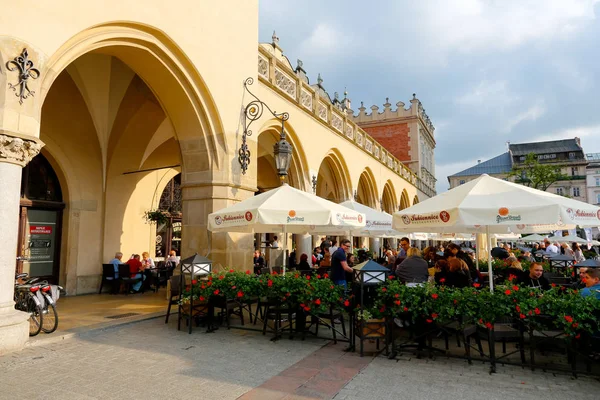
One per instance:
[(366, 192), (333, 182), (404, 200), (415, 200), (388, 198)]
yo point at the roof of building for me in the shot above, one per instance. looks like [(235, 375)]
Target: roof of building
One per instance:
[(498, 165), (593, 156), (553, 146)]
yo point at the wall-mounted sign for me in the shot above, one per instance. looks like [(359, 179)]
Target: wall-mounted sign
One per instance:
[(40, 230)]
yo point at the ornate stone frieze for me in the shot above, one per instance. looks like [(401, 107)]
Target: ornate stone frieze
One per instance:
[(336, 122), (18, 151), (306, 99), (263, 67), (322, 111), (349, 132), (285, 83), (359, 139), (369, 145)]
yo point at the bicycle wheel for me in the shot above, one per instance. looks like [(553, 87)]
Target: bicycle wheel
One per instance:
[(36, 317), (50, 321)]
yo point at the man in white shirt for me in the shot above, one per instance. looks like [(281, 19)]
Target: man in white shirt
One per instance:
[(275, 243), (550, 247)]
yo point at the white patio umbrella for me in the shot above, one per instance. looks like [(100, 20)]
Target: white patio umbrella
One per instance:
[(532, 238), (567, 239), (284, 209), (377, 223), (492, 205)]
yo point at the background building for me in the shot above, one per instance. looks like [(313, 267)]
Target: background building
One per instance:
[(566, 153), (593, 178)]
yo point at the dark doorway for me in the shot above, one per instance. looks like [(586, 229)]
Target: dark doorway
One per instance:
[(40, 221)]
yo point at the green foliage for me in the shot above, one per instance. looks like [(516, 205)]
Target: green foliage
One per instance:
[(157, 217), (536, 175)]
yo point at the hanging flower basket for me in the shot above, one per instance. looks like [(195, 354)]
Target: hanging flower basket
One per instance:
[(157, 217)]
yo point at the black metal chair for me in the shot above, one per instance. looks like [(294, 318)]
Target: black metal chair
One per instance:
[(108, 275), (125, 277), (175, 292), (228, 307), (332, 316)]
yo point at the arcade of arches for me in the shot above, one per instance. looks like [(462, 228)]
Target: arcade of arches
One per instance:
[(140, 115)]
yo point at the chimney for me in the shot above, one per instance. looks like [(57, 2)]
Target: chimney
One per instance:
[(478, 161)]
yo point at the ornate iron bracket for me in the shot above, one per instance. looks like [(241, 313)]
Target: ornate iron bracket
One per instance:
[(26, 70), (253, 112)]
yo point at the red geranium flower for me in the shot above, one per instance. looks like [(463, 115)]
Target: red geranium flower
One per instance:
[(384, 289), (216, 291), (488, 325), (209, 283), (346, 303), (507, 292), (230, 270), (477, 284), (221, 277), (397, 302), (518, 309), (210, 277), (201, 298), (480, 321), (202, 286), (405, 309), (318, 276), (307, 308), (442, 280), (275, 273), (396, 295), (326, 276), (435, 296), (269, 283), (553, 284), (318, 301), (511, 277), (240, 294), (522, 316), (391, 277), (537, 311), (434, 315), (296, 276), (247, 272), (194, 281), (577, 336), (429, 321), (308, 277), (455, 301), (382, 309), (516, 288)]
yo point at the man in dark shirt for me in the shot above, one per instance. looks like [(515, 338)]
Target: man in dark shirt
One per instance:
[(535, 278), (339, 264), (259, 262)]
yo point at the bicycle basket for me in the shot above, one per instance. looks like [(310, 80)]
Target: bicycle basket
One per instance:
[(55, 292)]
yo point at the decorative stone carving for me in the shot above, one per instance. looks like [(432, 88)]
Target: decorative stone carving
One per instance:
[(359, 139), (369, 145), (349, 131), (306, 99), (336, 122), (17, 151), (283, 82), (322, 111), (376, 151), (263, 67)]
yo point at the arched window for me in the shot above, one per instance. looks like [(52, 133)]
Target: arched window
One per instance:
[(39, 181)]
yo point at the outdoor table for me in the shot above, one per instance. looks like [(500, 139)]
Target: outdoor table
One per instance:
[(561, 261)]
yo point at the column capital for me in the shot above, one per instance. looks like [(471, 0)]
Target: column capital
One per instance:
[(18, 149)]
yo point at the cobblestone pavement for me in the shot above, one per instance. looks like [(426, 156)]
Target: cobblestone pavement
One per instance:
[(151, 360), (448, 379)]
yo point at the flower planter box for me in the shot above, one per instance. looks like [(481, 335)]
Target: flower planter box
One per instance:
[(198, 309), (372, 328)]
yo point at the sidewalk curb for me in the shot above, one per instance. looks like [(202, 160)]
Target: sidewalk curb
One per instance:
[(44, 339)]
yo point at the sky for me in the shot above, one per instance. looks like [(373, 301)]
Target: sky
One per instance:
[(487, 72)]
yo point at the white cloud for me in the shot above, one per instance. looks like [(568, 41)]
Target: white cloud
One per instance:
[(474, 25), (587, 133), (488, 94), (531, 114), (324, 39), (443, 171)]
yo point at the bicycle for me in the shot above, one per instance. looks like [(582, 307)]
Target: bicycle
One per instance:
[(50, 295), (27, 300)]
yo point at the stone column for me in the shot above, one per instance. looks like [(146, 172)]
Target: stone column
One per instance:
[(375, 246), (304, 245), (15, 152)]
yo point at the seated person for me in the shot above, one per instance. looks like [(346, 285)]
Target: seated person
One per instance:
[(317, 256), (515, 270), (303, 265), (326, 261), (580, 284), (135, 268), (458, 274), (414, 268), (500, 252), (147, 262), (173, 258), (259, 262), (116, 262), (441, 270), (535, 278), (592, 283)]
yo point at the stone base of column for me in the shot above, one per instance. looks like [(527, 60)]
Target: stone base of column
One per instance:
[(14, 330)]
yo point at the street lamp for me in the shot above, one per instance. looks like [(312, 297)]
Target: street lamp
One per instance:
[(282, 149)]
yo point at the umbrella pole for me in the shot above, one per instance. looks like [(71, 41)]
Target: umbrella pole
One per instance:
[(477, 242), (489, 249), (285, 240)]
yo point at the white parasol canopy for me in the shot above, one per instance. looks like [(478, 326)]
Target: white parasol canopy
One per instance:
[(567, 239), (499, 206), (377, 223), (492, 205), (532, 238), (284, 209)]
